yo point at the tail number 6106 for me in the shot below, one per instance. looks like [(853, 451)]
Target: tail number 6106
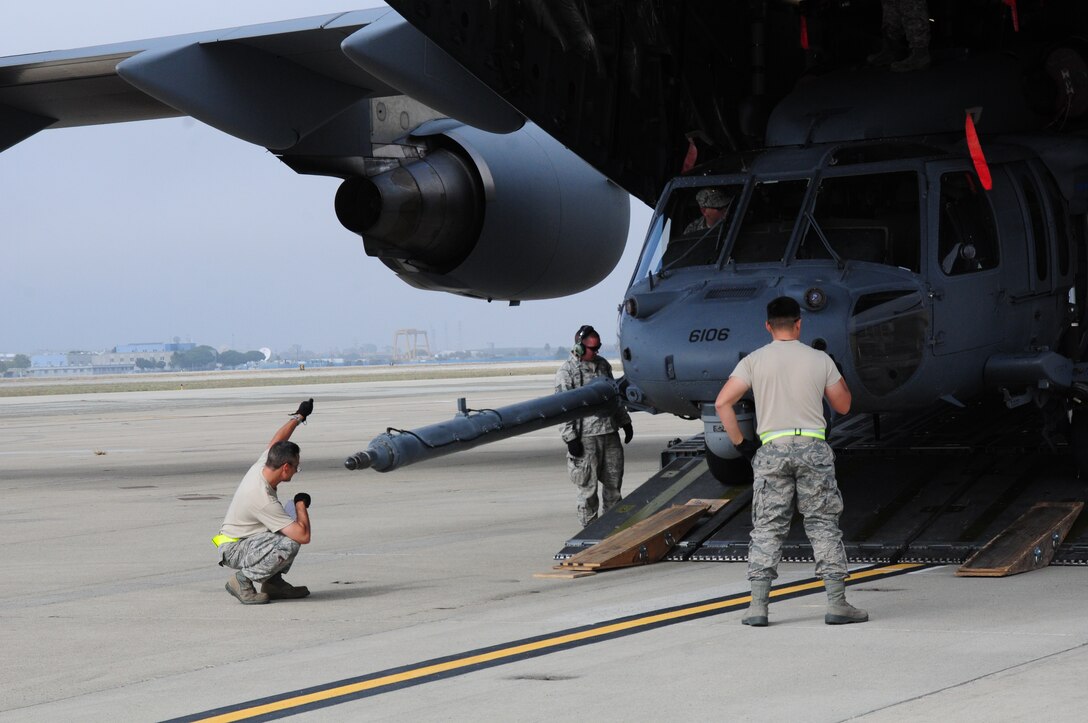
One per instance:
[(698, 335)]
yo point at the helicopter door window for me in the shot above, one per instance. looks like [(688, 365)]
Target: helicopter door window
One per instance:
[(769, 221), (968, 235), (870, 218), (1061, 230), (1038, 225)]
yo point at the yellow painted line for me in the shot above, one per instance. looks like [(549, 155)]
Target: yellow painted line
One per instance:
[(516, 650)]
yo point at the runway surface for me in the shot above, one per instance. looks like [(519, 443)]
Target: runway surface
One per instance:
[(112, 606)]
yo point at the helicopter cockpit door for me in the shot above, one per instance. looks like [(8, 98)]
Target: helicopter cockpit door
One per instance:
[(964, 258)]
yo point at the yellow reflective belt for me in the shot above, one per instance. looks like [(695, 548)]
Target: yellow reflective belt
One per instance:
[(221, 539), (796, 432)]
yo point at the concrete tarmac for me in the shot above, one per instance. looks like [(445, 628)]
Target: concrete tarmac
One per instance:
[(112, 607)]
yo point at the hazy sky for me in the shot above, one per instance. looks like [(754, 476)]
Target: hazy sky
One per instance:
[(139, 232)]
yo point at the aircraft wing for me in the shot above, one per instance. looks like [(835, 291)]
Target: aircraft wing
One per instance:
[(84, 86), (271, 84), (443, 180)]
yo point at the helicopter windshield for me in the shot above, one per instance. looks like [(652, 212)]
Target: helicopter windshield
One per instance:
[(768, 221), (693, 229), (870, 218)]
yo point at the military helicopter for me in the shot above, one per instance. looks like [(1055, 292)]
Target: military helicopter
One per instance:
[(928, 272), (931, 268)]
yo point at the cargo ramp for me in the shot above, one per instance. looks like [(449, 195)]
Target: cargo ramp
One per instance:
[(938, 490)]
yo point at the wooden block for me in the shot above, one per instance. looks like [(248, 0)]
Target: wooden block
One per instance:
[(564, 574), (712, 505), (1027, 544)]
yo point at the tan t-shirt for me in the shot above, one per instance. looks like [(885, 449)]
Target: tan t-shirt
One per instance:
[(255, 507), (787, 379)]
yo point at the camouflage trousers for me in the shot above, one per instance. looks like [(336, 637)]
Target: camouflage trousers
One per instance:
[(906, 20), (801, 467), (603, 462), (260, 556)]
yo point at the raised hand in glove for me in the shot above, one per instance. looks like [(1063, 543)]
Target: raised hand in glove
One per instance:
[(575, 448), (304, 499), (628, 433), (305, 409), (748, 448)]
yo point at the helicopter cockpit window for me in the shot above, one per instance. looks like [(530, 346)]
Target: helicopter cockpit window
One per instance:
[(968, 234), (768, 221), (870, 218), (693, 229)]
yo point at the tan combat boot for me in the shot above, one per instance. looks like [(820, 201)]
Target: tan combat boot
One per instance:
[(242, 588), (757, 611), (279, 589), (840, 612)]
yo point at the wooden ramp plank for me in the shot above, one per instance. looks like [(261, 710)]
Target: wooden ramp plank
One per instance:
[(1027, 544), (642, 543), (564, 574), (712, 505)]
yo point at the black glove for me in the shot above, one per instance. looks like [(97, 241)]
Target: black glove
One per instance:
[(748, 448), (628, 433), (304, 499), (575, 448), (305, 409)]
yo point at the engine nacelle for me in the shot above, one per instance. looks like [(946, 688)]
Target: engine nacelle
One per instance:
[(512, 217)]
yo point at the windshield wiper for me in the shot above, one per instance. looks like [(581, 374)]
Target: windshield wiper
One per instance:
[(823, 239)]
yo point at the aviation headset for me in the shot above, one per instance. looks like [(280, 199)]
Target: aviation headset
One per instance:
[(583, 331)]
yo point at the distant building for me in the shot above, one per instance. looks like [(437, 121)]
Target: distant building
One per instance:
[(41, 367), (48, 360), (156, 351), (130, 357), (155, 346), (80, 358), (120, 361)]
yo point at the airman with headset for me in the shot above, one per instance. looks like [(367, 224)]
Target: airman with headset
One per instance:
[(594, 452)]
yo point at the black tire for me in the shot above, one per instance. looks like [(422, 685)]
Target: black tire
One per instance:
[(729, 471)]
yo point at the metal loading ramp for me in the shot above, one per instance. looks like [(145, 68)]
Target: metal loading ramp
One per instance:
[(934, 505)]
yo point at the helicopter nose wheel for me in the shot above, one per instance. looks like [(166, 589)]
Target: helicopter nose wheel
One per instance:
[(739, 471)]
